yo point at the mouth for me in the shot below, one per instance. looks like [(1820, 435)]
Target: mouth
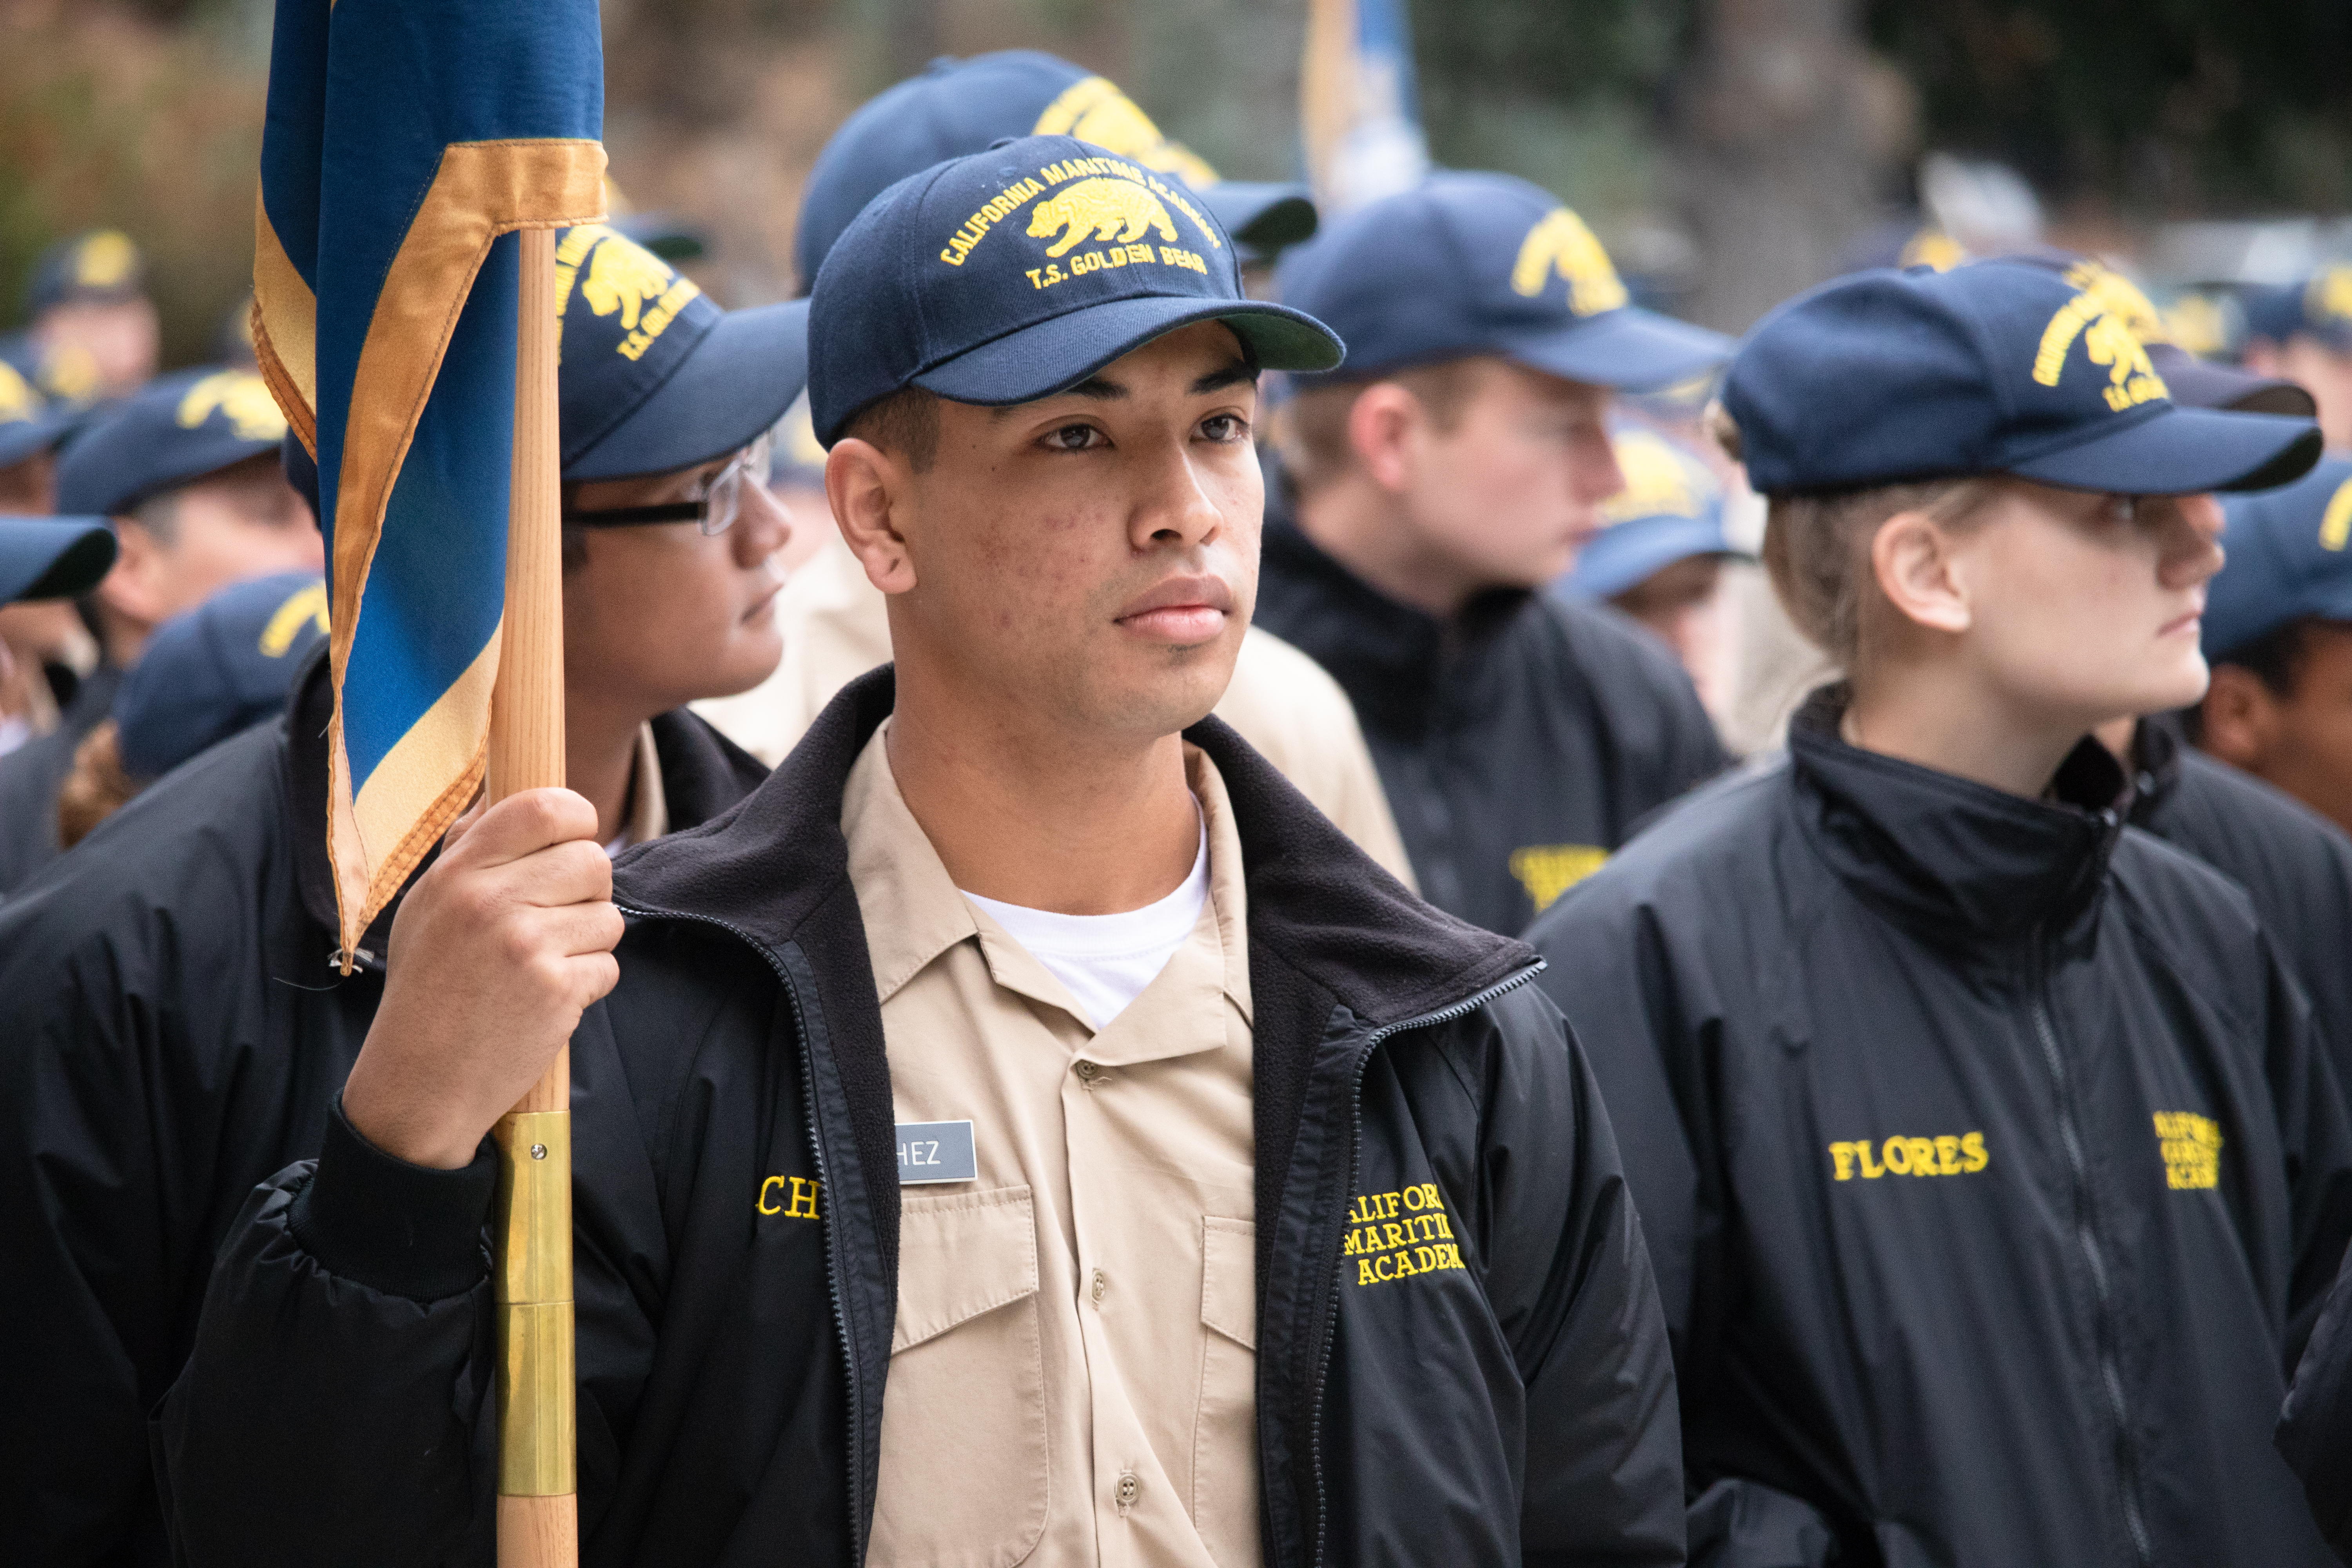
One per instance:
[(1180, 611), (2189, 623), (765, 604)]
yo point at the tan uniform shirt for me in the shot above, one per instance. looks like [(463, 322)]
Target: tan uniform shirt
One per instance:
[(1071, 1373), (1282, 702)]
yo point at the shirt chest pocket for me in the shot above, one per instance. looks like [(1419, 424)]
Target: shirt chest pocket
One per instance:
[(1224, 1425), (963, 1414)]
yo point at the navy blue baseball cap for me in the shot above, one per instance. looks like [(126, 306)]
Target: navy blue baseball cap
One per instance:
[(29, 424), (959, 107), (52, 557), (1670, 510), (2290, 555), (1991, 368), (100, 266), (215, 669), (172, 431), (655, 375), (2319, 307), (1469, 264), (1006, 276)]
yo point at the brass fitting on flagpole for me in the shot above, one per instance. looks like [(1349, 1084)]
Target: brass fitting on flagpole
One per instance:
[(533, 1287)]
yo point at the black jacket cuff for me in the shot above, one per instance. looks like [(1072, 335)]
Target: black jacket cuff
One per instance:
[(402, 1229)]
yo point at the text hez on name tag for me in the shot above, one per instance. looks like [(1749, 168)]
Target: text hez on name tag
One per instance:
[(936, 1151)]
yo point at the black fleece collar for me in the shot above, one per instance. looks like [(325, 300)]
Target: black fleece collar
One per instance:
[(1315, 901), (1398, 664), (1954, 858)]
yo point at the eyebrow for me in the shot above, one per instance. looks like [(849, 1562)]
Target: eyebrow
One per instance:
[(1102, 389)]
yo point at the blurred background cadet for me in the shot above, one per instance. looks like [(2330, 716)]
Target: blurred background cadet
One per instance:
[(187, 468), (45, 649), (89, 331), (833, 621), (208, 673), (1660, 554), (2301, 333)]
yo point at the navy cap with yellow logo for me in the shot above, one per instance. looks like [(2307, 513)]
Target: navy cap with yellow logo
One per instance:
[(959, 107), (2290, 556), (223, 667), (1991, 368), (1468, 264), (1000, 278), (103, 266), (175, 429), (1670, 510), (655, 375), (52, 557), (2319, 307), (29, 424)]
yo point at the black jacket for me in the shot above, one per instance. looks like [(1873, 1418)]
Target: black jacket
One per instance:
[(733, 1361), (1919, 1084), (171, 1033), (30, 777), (1519, 743), (2294, 863)]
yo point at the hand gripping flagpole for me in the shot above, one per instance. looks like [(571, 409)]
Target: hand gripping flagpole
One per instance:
[(539, 1516)]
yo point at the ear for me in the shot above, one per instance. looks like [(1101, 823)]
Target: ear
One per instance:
[(1911, 556), (1384, 425), (2240, 719), (134, 587), (867, 486)]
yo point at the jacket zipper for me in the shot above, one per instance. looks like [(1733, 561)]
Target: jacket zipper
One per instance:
[(1328, 1300), (2086, 1236), (856, 1471)]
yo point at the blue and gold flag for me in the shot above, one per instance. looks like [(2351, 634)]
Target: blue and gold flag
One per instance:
[(1360, 115), (407, 142)]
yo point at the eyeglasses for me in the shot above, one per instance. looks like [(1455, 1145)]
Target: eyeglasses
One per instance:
[(716, 506)]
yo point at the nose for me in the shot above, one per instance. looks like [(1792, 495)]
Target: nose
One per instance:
[(1594, 472), (762, 526), (1177, 507), (2191, 542)]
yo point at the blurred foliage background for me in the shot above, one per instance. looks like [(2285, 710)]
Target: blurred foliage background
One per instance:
[(1730, 144)]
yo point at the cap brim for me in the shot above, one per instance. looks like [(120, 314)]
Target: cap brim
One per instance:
[(1625, 554), (1630, 348), (1044, 358), (2197, 383), (1263, 217), (53, 557), (23, 438), (737, 381), (2182, 451)]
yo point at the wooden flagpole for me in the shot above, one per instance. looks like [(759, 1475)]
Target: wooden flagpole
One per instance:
[(539, 1516)]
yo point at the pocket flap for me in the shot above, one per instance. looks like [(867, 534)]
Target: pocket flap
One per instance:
[(960, 1256), (1229, 1278)]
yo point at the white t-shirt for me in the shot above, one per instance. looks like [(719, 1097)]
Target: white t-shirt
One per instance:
[(1105, 961)]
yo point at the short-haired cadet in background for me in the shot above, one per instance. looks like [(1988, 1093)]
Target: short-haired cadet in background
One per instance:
[(2301, 333), (1658, 558), (188, 470), (90, 331), (177, 1028), (1240, 1207), (1988, 1158), (1443, 478), (834, 625)]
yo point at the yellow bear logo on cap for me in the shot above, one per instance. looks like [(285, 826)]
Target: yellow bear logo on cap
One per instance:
[(2102, 314), (622, 277), (1095, 110), (1100, 209), (1657, 484), (1560, 243), (239, 394), (18, 399), (105, 259)]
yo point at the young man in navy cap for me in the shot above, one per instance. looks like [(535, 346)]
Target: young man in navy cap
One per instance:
[(1991, 1165), (1024, 1130), (188, 470), (1445, 477), (2303, 332), (176, 1026), (91, 331), (35, 636), (834, 625)]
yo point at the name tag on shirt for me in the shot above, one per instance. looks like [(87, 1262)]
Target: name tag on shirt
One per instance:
[(936, 1151)]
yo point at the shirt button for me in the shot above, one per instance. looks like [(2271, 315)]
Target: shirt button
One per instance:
[(1089, 1073), (1129, 1489), (1102, 1283)]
